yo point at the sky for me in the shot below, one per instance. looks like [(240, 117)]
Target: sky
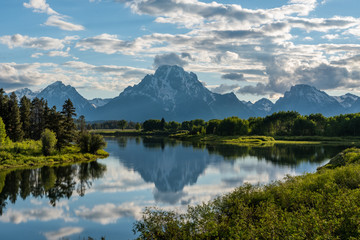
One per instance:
[(254, 48)]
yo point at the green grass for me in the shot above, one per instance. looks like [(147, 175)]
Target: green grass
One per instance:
[(321, 205), (28, 154), (238, 140)]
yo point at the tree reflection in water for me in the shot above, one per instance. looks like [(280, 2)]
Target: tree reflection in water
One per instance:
[(54, 183)]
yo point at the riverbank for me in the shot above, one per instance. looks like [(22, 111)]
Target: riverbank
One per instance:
[(27, 154), (234, 140), (325, 204)]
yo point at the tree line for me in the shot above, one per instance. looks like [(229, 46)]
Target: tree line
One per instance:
[(282, 123), (35, 120)]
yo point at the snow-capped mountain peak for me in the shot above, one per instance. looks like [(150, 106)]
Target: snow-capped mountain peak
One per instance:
[(347, 100), (57, 93)]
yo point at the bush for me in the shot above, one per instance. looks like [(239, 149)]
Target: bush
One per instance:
[(2, 132), (48, 139), (91, 143), (84, 142), (97, 142)]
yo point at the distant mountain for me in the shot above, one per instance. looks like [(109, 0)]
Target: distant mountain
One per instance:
[(347, 100), (173, 94), (99, 102), (262, 107), (57, 93), (25, 92), (355, 107), (306, 99)]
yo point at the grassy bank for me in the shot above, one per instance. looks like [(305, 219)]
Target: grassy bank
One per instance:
[(234, 140), (28, 154), (240, 140), (321, 205)]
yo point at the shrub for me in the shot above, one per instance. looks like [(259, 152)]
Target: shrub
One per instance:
[(48, 139), (97, 142), (84, 142), (91, 143), (2, 132)]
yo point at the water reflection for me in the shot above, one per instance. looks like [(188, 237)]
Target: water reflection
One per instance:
[(172, 165), (54, 183), (105, 197)]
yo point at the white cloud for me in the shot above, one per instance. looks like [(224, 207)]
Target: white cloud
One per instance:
[(43, 43), (62, 233), (40, 6), (55, 19), (59, 21), (44, 214), (330, 36), (109, 213)]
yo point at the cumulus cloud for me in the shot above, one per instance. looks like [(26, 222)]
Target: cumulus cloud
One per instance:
[(14, 76), (109, 213), (43, 43), (225, 88), (234, 76), (40, 6), (168, 59), (259, 89), (44, 214)]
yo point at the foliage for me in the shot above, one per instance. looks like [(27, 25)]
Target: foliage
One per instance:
[(322, 205), (48, 140), (14, 126), (69, 128), (25, 116), (280, 124), (97, 142), (113, 124), (91, 143), (28, 153), (2, 132), (84, 142)]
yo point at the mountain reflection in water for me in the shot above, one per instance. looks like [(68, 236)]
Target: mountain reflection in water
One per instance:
[(171, 165), (103, 198)]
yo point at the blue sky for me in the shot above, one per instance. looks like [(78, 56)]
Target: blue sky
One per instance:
[(255, 48)]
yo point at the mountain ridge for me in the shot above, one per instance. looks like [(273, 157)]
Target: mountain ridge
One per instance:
[(175, 94)]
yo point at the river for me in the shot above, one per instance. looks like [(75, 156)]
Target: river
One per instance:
[(104, 198)]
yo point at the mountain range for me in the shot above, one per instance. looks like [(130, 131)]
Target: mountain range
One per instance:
[(177, 95)]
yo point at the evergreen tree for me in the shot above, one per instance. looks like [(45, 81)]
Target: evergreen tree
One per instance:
[(68, 133), (55, 123), (25, 116), (82, 123), (3, 106), (37, 120), (14, 129)]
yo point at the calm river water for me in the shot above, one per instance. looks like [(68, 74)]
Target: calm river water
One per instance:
[(104, 198)]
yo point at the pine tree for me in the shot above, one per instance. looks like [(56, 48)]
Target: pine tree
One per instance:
[(54, 122), (14, 127), (68, 134), (25, 116), (4, 99), (37, 120)]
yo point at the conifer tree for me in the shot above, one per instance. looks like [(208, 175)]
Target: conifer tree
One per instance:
[(25, 116), (14, 126), (3, 105), (54, 122), (68, 133), (37, 120)]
